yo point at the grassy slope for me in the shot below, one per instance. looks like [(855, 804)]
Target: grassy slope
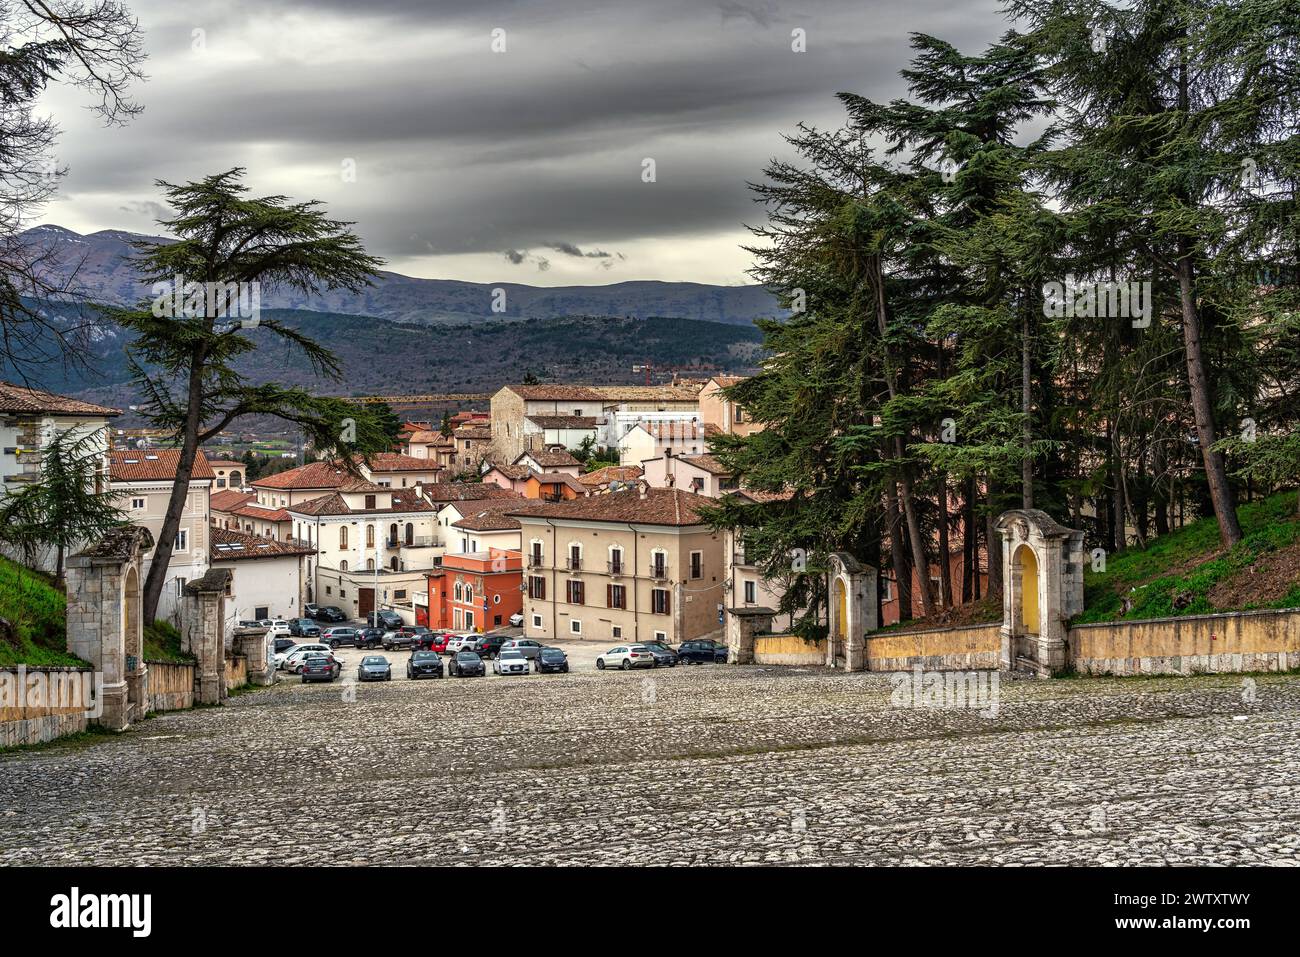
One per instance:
[(162, 642), (37, 611), (1189, 562)]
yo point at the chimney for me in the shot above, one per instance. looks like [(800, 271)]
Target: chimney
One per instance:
[(643, 487)]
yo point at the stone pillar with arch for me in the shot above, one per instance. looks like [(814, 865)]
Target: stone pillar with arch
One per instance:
[(105, 585), (1042, 588), (851, 597), (203, 634)]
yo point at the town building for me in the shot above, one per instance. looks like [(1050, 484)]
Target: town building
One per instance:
[(701, 473), (30, 419), (716, 409), (632, 565), (266, 576), (611, 476), (230, 473), (651, 440), (238, 511), (141, 484), (473, 591)]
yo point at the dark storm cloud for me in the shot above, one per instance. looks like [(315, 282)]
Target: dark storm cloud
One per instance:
[(461, 150)]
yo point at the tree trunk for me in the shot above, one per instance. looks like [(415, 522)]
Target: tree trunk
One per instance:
[(1027, 463), (994, 543), (163, 548), (1216, 474), (945, 562), (898, 554)]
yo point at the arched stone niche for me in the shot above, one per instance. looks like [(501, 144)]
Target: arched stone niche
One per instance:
[(1042, 579), (852, 611)]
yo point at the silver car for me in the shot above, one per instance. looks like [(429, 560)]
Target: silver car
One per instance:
[(510, 663), (525, 646)]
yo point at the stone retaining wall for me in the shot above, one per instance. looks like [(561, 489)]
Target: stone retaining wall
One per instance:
[(969, 648), (236, 672), (24, 722), (1230, 642), (788, 650), (171, 685)]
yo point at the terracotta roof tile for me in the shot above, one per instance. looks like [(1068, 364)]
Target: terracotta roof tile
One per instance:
[(563, 421), (153, 465), (612, 473), (228, 499), (17, 398), (556, 393), (658, 506), (549, 458), (228, 546)]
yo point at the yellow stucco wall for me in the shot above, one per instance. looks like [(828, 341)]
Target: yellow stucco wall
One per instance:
[(1231, 634), (788, 650), (949, 641)]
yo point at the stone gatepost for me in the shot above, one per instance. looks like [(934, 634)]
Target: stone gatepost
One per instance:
[(742, 625), (1042, 588), (203, 631), (255, 645), (105, 583), (852, 603)]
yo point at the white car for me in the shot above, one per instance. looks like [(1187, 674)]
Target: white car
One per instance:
[(626, 657), (291, 660), (462, 643), (510, 663), (278, 628), (517, 620)]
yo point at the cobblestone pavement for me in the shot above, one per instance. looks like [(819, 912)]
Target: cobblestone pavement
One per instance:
[(716, 764)]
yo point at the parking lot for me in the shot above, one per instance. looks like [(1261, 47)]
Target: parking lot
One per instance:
[(709, 764), (581, 654)]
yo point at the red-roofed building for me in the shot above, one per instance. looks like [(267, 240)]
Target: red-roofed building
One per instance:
[(473, 591)]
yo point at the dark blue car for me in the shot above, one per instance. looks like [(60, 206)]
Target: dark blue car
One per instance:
[(702, 650)]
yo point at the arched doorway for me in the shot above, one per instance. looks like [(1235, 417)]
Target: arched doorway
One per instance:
[(839, 620), (133, 644), (1028, 565)]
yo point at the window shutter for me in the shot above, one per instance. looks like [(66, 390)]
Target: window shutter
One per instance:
[(609, 596)]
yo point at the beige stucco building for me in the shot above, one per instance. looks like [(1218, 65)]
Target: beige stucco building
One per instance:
[(631, 565)]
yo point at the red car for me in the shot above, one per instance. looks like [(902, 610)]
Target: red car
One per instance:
[(438, 641)]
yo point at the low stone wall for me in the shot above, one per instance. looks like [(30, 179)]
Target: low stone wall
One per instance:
[(1230, 642), (788, 650), (171, 686), (937, 649), (34, 709), (236, 672)]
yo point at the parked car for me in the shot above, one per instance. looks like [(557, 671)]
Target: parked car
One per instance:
[(281, 657), (385, 618), (701, 650), (517, 620), (510, 663), (327, 613), (551, 659), (461, 642), (424, 664), (419, 634), (664, 654), (488, 646), (344, 635), (371, 637), (282, 645), (439, 642), (626, 657), (317, 666), (304, 628), (525, 646), (374, 668), (396, 639), (293, 658), (466, 664)]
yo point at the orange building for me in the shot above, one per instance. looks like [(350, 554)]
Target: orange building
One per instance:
[(474, 591)]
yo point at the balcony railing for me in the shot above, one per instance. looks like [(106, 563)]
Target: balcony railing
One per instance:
[(573, 564), (738, 558), (658, 570), (615, 568), (415, 541), (535, 561)]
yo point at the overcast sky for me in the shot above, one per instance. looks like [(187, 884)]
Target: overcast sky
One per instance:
[(523, 165)]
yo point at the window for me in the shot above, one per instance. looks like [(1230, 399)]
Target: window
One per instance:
[(537, 554), (182, 540), (886, 589), (392, 535), (661, 636), (343, 536), (616, 561), (659, 603), (617, 632), (399, 594), (370, 564), (575, 626), (410, 534), (343, 565), (180, 586), (261, 611), (458, 619), (697, 484), (138, 504), (574, 593), (469, 620), (659, 565), (697, 564), (370, 501), (616, 596), (496, 620), (536, 587), (750, 593), (221, 483), (739, 416), (370, 536), (459, 590), (537, 621), (575, 556)]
